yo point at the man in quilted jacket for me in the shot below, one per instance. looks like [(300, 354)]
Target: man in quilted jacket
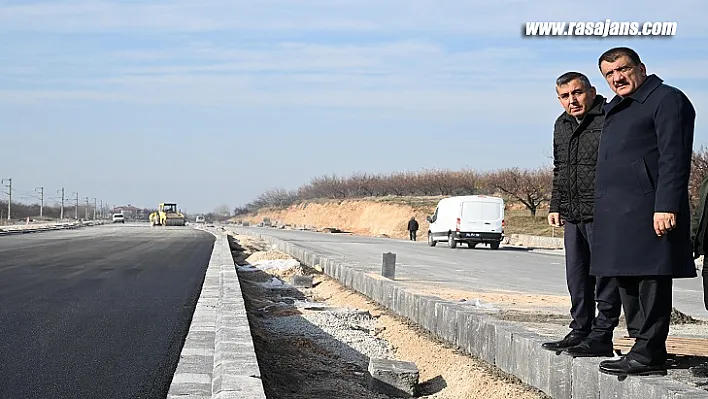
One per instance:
[(576, 139)]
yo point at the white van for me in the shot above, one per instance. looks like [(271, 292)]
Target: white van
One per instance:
[(472, 219)]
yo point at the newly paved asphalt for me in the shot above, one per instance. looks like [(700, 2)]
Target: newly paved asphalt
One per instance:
[(479, 269), (100, 312)]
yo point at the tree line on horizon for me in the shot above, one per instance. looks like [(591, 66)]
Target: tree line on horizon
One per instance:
[(530, 187)]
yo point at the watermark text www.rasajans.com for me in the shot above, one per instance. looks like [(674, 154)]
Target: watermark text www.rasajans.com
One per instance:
[(600, 28)]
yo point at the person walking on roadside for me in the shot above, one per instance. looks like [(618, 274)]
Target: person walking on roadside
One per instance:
[(413, 228), (576, 137), (699, 229), (642, 212)]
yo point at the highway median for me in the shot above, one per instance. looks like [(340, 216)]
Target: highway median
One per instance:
[(218, 358)]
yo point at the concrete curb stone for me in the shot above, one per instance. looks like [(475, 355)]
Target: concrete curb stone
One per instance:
[(218, 359), (506, 345)]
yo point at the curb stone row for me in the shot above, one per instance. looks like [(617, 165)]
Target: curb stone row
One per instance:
[(218, 358)]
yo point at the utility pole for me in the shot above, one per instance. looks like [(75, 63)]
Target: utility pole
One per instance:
[(94, 209), (86, 208), (61, 211), (41, 199), (76, 210), (103, 213), (9, 193)]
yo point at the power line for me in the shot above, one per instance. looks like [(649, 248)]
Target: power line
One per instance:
[(26, 200)]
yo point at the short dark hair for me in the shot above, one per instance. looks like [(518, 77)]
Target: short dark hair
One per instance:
[(613, 54), (571, 76)]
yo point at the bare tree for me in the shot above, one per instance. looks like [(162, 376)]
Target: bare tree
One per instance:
[(278, 198), (362, 185), (530, 187), (333, 187), (395, 184)]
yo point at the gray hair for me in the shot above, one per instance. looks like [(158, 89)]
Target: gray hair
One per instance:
[(568, 77)]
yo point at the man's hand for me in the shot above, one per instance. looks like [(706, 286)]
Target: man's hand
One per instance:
[(664, 222), (554, 219)]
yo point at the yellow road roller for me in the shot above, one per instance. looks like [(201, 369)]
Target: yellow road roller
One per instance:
[(167, 215)]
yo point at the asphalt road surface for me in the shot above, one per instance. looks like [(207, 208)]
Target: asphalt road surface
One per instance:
[(100, 312), (478, 269)]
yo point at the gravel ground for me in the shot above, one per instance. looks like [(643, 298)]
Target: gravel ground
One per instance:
[(307, 350)]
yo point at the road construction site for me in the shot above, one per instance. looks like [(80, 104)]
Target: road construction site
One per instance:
[(315, 339), (496, 320), (298, 314)]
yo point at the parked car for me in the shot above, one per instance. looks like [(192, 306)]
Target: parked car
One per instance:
[(470, 219)]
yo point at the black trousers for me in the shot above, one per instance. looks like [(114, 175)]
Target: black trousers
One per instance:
[(647, 308), (413, 235), (704, 275), (587, 290)]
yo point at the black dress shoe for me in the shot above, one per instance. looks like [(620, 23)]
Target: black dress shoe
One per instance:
[(590, 348), (627, 366), (573, 338)]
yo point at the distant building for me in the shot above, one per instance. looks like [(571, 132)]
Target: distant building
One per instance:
[(129, 211)]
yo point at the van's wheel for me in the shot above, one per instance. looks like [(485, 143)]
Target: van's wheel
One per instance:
[(495, 245), (471, 245), (431, 242), (451, 241)]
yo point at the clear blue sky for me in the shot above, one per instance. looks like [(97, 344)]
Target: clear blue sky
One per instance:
[(212, 102)]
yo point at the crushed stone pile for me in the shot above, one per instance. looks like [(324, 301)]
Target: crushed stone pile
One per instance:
[(267, 255)]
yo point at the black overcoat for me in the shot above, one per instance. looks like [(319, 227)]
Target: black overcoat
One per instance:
[(643, 166)]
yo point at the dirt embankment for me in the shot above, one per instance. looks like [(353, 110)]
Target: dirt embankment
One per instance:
[(387, 216), (364, 217)]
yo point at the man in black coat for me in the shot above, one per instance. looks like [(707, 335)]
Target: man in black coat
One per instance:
[(576, 136), (642, 214), (412, 228)]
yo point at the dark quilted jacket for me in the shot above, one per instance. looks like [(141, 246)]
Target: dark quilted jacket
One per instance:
[(574, 157)]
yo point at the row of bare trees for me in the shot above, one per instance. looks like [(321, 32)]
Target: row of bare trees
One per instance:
[(530, 187)]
